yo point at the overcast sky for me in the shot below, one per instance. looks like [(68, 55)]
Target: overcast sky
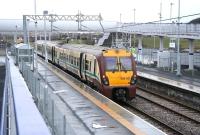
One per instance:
[(146, 10)]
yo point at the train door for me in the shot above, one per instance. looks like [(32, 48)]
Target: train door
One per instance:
[(81, 65), (94, 72), (85, 66), (52, 54)]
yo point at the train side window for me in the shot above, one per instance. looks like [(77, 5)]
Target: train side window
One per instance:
[(86, 65), (95, 66), (69, 59), (72, 59), (90, 66), (75, 61), (66, 57), (78, 59), (62, 56)]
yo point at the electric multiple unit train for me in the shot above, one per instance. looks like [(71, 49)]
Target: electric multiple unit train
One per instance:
[(110, 71)]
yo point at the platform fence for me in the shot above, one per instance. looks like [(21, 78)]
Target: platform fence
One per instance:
[(150, 58), (8, 118), (47, 102)]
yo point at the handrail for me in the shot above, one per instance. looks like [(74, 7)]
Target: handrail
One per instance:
[(3, 129), (19, 113)]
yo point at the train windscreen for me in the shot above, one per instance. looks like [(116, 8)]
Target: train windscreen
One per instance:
[(111, 63), (125, 63)]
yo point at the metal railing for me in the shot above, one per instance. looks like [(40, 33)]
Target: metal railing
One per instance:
[(47, 102), (164, 29), (17, 119), (3, 128), (8, 119)]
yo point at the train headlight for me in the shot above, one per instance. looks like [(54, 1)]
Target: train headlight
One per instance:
[(105, 80), (133, 80)]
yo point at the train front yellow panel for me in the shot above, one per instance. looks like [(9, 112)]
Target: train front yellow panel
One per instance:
[(119, 78), (114, 52)]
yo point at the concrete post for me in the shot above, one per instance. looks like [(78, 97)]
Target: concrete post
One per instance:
[(112, 39), (191, 53), (130, 41), (140, 42), (161, 44), (178, 73), (15, 35), (116, 39), (25, 29), (139, 56)]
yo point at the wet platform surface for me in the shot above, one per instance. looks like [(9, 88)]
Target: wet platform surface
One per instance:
[(90, 116), (24, 115), (93, 118), (183, 82)]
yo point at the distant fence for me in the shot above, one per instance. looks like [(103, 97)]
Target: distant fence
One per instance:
[(149, 56), (168, 61)]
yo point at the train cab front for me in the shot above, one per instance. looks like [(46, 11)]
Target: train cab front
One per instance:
[(119, 78)]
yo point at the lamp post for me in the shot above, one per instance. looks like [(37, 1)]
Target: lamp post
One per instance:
[(28, 40), (134, 24), (45, 45), (178, 43), (28, 32), (120, 18), (36, 62), (171, 4), (134, 14), (15, 36), (160, 14)]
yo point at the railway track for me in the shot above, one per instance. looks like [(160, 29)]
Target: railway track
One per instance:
[(172, 117)]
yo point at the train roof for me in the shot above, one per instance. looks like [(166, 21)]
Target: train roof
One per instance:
[(49, 43), (91, 49), (95, 50)]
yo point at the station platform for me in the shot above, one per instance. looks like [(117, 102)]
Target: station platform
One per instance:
[(186, 83), (88, 111)]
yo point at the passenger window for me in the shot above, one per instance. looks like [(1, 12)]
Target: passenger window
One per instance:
[(67, 57), (74, 61), (86, 65), (78, 62), (95, 67), (71, 59), (90, 66)]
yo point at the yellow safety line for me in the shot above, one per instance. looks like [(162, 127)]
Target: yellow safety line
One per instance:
[(104, 107)]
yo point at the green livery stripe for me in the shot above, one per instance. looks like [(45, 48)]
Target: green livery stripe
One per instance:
[(77, 68), (91, 75)]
